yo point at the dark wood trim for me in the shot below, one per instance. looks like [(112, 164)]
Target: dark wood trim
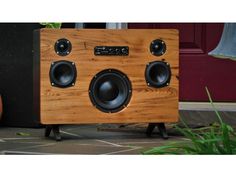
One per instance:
[(36, 75), (199, 45), (0, 106)]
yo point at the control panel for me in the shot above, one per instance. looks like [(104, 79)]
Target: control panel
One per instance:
[(111, 50)]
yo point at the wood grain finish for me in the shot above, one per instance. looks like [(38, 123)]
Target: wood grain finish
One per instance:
[(72, 105)]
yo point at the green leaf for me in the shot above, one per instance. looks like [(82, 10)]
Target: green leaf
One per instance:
[(51, 25), (217, 113), (226, 139), (22, 134)]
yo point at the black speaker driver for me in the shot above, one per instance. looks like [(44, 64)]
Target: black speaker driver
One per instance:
[(158, 47), (63, 47), (63, 73), (158, 74), (110, 90)]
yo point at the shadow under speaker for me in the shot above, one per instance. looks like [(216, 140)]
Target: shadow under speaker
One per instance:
[(106, 76)]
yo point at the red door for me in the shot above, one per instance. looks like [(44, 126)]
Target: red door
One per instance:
[(197, 68)]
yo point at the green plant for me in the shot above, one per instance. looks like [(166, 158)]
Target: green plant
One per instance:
[(217, 139), (51, 25)]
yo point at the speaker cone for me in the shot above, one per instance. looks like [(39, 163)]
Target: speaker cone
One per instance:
[(158, 47), (63, 47), (63, 73), (110, 90), (158, 74)]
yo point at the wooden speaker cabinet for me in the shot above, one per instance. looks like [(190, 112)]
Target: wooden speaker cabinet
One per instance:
[(86, 76)]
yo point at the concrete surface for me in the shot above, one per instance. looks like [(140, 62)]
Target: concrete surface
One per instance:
[(100, 138), (81, 139)]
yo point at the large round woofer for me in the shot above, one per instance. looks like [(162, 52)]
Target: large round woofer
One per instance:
[(63, 73), (158, 47), (63, 47), (110, 90), (158, 74)]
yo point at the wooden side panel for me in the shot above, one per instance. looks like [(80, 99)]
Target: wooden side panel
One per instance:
[(73, 105)]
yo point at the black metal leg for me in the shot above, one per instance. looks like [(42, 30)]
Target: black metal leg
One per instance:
[(150, 129), (161, 127), (162, 130), (56, 131), (48, 130)]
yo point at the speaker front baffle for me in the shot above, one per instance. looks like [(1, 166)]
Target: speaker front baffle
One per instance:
[(106, 76)]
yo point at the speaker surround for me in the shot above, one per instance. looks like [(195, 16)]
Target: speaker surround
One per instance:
[(158, 74), (110, 90), (63, 47), (63, 73), (158, 47)]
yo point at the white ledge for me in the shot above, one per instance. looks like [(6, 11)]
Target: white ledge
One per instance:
[(205, 106)]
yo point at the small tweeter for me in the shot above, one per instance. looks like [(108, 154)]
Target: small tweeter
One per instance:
[(63, 47), (158, 47), (62, 74), (158, 74)]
